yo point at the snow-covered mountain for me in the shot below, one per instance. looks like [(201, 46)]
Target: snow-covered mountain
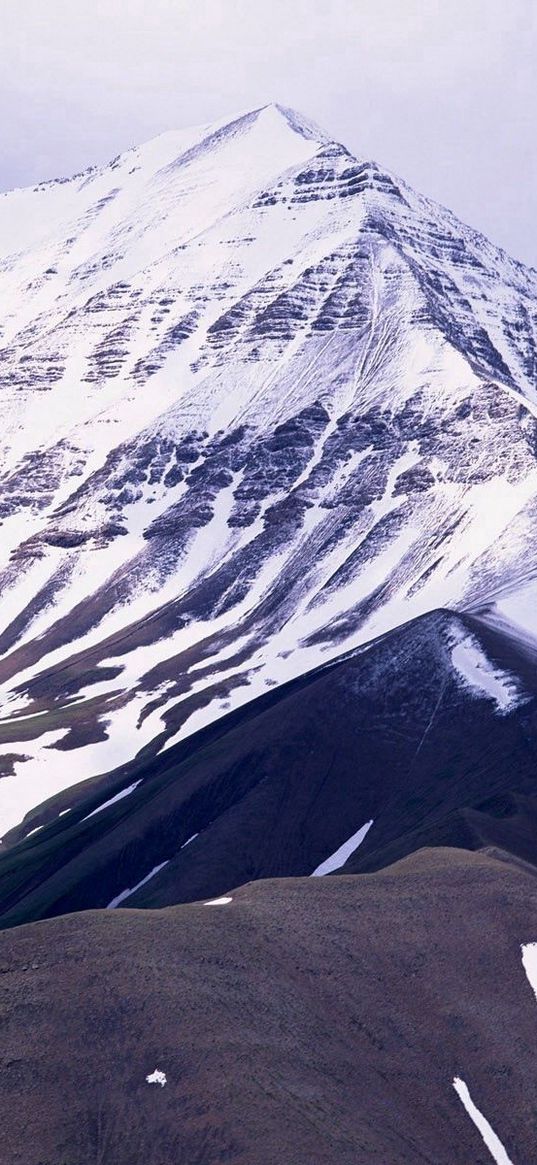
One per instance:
[(262, 404)]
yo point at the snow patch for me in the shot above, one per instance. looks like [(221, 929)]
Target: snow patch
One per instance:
[(483, 677), (157, 1077), (519, 608), (127, 893), (529, 962), (338, 859), (493, 1143), (189, 839), (218, 901), (34, 780), (112, 801)]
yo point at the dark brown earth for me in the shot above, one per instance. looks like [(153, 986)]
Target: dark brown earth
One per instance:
[(308, 1022)]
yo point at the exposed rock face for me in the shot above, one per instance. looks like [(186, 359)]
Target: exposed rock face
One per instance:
[(261, 403)]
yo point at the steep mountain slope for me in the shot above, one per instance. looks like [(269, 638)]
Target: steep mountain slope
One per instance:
[(262, 403), (319, 1021), (428, 737)]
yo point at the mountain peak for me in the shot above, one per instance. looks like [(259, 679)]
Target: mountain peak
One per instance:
[(300, 124), (270, 134)]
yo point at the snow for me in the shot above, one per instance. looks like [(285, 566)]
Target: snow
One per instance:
[(34, 780), (518, 607), (157, 1077), (482, 678), (529, 962), (112, 801), (492, 1141), (49, 770), (218, 901), (189, 839), (127, 893), (341, 855)]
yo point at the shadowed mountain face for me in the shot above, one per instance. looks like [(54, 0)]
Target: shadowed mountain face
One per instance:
[(261, 404), (314, 1021), (430, 734)]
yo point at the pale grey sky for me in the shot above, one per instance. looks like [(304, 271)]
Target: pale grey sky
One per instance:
[(444, 92)]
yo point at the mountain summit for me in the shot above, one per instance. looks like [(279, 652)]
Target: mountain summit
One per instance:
[(263, 403)]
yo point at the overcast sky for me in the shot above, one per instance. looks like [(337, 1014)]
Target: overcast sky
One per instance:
[(444, 92)]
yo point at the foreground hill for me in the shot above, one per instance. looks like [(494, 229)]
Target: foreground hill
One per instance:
[(319, 1021)]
